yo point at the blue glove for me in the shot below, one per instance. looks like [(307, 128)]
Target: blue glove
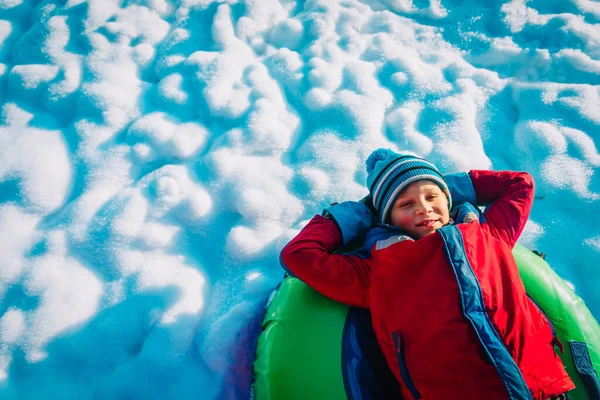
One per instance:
[(465, 213), (354, 218), (461, 188)]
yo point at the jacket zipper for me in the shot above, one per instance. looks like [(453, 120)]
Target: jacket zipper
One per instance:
[(555, 340), (402, 364)]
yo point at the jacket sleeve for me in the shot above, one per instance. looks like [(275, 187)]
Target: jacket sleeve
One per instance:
[(509, 197), (341, 277)]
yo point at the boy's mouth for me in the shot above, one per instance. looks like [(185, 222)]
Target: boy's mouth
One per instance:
[(427, 223)]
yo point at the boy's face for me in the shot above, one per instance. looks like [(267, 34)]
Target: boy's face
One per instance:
[(420, 209)]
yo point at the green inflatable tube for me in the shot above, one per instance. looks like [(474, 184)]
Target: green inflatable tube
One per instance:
[(299, 352), (572, 320)]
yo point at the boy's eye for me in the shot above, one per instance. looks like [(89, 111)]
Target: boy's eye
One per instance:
[(405, 204), (432, 196)]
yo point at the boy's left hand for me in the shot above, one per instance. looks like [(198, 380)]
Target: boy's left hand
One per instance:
[(464, 213)]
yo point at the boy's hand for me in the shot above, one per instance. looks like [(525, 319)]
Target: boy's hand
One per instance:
[(464, 213), (461, 188), (368, 201), (353, 218)]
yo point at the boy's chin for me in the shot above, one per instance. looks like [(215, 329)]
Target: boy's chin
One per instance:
[(420, 235), (424, 231)]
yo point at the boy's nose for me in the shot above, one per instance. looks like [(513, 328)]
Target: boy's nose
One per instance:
[(423, 206)]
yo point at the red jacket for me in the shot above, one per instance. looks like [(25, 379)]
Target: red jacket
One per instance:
[(449, 311)]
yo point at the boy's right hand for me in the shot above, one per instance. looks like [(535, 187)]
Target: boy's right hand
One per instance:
[(368, 201), (353, 218)]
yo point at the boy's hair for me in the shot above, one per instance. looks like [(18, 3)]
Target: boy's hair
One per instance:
[(389, 173)]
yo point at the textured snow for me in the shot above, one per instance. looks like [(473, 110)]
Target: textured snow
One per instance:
[(156, 155)]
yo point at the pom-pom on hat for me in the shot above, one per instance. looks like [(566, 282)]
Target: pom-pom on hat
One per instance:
[(389, 173)]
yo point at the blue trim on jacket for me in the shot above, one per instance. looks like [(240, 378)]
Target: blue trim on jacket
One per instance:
[(473, 309), (406, 379)]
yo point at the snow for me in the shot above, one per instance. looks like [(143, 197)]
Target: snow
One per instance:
[(69, 294), (38, 157), (156, 155), (17, 235)]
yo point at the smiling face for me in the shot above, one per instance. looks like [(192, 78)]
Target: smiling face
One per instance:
[(420, 209)]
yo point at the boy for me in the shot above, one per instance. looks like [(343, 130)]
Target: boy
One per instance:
[(448, 306)]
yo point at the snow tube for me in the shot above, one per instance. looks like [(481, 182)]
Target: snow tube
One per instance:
[(314, 348)]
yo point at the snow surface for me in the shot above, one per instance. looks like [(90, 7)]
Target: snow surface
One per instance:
[(155, 156)]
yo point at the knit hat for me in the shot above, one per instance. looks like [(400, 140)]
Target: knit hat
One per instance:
[(389, 173)]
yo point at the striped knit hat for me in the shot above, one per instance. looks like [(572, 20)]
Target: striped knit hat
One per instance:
[(389, 173)]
